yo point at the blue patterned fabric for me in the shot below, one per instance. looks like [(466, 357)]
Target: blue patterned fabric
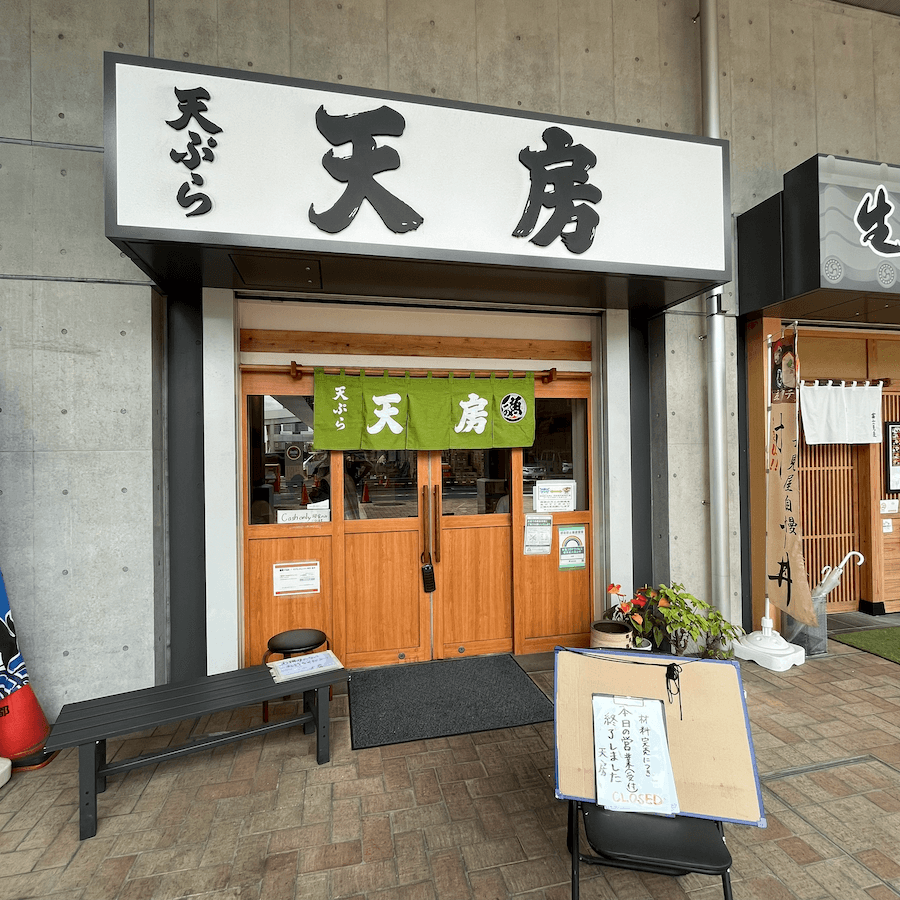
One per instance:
[(12, 667)]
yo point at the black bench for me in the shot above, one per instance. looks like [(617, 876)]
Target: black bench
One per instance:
[(88, 724)]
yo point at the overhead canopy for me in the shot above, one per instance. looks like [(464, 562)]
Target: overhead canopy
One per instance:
[(827, 248), (258, 183)]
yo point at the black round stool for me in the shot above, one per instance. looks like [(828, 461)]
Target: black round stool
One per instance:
[(290, 643)]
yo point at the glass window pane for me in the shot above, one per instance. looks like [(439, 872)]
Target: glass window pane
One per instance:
[(281, 462), (475, 482), (291, 483), (560, 448), (380, 484)]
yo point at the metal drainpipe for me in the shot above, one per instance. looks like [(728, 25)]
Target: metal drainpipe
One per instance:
[(715, 342)]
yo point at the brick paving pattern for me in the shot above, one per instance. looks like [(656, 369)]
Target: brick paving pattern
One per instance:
[(463, 818)]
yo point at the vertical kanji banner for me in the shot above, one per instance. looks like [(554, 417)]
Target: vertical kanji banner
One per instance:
[(513, 411), (338, 411), (787, 584), (385, 412), (429, 414)]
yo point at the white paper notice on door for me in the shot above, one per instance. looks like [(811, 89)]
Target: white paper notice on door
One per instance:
[(631, 755), (538, 535), (296, 578)]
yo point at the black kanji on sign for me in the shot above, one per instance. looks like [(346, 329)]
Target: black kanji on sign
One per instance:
[(358, 170), (559, 177), (783, 577), (872, 221), (192, 105)]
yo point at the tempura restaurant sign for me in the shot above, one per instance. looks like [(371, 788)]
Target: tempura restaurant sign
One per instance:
[(219, 157), (384, 412)]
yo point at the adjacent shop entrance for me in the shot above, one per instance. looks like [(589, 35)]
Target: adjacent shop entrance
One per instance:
[(342, 540)]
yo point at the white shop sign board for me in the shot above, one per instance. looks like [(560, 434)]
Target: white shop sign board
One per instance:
[(663, 205)]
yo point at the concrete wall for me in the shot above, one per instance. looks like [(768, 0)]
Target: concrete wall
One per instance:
[(79, 327)]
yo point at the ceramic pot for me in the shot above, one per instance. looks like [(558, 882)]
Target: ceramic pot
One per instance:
[(611, 635)]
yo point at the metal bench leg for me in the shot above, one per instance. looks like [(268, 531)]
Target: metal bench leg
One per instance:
[(573, 840), (321, 715), (90, 758), (309, 705)]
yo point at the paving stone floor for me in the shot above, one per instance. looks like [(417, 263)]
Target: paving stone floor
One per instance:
[(463, 818)]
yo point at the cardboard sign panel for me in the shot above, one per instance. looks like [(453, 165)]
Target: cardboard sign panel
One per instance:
[(710, 744)]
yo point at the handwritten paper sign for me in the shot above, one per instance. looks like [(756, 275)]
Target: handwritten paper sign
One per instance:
[(631, 755)]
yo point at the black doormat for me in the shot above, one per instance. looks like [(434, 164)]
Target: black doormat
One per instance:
[(415, 701)]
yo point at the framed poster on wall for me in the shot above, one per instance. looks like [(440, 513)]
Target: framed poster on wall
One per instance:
[(892, 457)]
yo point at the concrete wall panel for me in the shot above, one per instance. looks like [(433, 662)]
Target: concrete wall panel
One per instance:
[(67, 44), (586, 65), (16, 360), (342, 42), (15, 70), (92, 372), (723, 32), (886, 49), (686, 381), (69, 228), (793, 85), (431, 48), (185, 31), (518, 54), (255, 35), (637, 62), (681, 102), (845, 86), (688, 453), (92, 529), (16, 198), (689, 537), (752, 151)]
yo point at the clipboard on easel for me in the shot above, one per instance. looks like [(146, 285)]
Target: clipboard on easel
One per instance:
[(708, 729)]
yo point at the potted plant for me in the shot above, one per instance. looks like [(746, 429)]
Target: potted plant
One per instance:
[(671, 615)]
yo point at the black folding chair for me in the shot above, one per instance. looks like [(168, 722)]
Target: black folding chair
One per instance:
[(646, 843)]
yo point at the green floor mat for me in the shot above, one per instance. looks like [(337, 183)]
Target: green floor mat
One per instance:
[(884, 642)]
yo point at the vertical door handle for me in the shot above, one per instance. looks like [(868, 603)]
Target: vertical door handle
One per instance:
[(426, 513), (437, 523)]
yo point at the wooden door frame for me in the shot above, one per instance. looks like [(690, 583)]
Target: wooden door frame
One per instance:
[(575, 387), (275, 380)]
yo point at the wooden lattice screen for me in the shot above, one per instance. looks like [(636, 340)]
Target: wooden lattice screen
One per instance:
[(890, 410), (829, 501)]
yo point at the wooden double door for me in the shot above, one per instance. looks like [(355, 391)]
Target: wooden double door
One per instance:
[(384, 516)]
